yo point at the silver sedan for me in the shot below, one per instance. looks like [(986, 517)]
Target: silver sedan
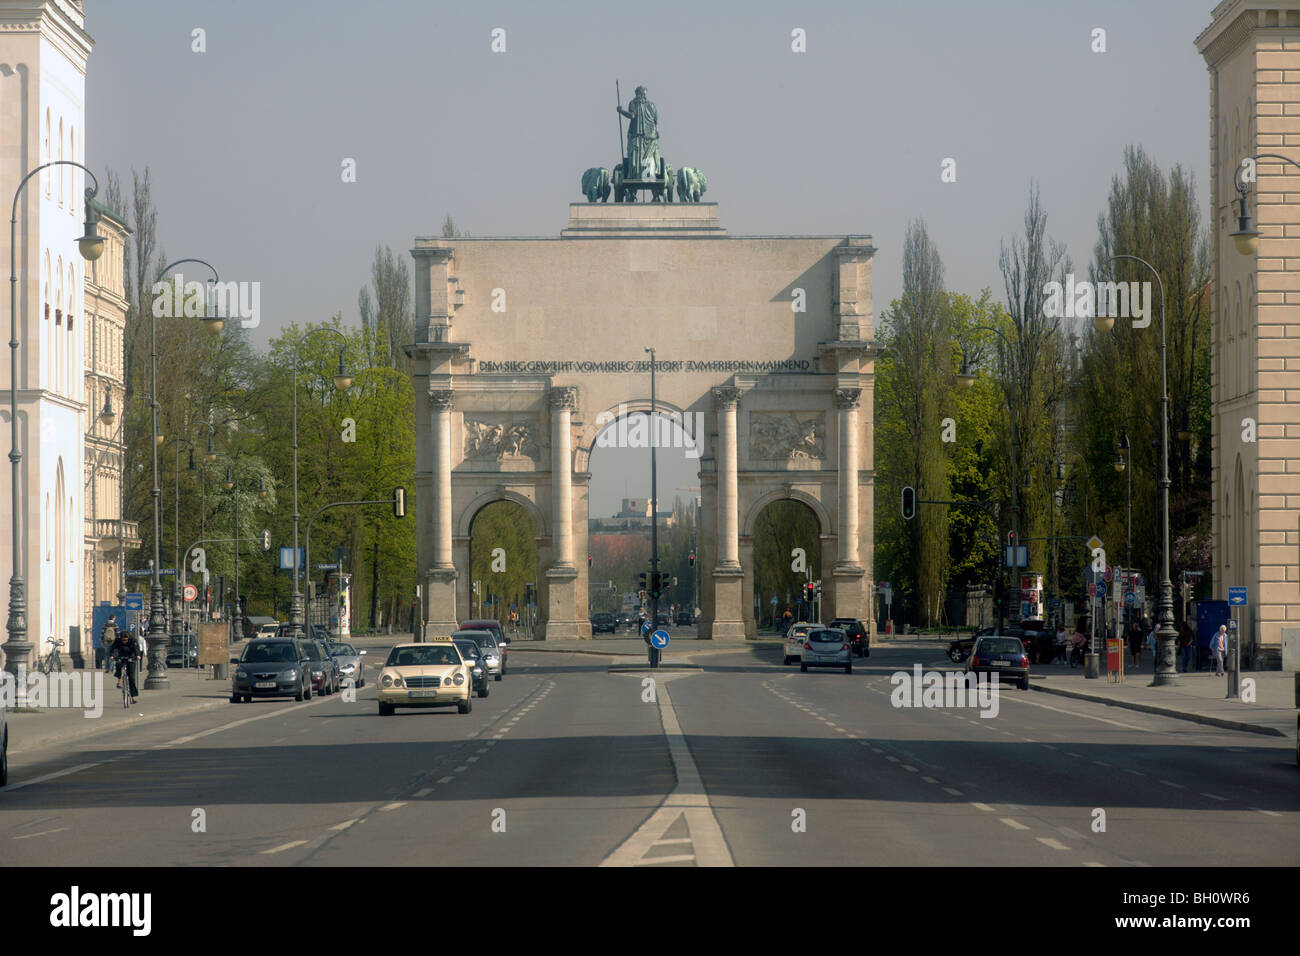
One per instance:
[(826, 647), (350, 663)]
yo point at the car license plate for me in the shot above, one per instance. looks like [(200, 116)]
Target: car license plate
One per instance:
[(1000, 663), (422, 693), (265, 685)]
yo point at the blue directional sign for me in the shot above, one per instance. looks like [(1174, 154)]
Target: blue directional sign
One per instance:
[(1101, 589), (1129, 598), (659, 639), (134, 601), (1237, 597), (645, 628)]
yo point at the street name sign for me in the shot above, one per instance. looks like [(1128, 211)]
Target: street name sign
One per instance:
[(1237, 597)]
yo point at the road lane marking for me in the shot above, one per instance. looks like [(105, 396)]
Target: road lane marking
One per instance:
[(982, 806), (1054, 844), (1014, 824), (423, 792), (909, 768), (929, 780), (953, 791), (345, 824), (28, 836), (447, 779), (283, 847), (665, 842), (1170, 783), (1094, 864), (50, 776), (1214, 796), (688, 799), (461, 768), (648, 861), (1136, 773), (392, 806), (1271, 813)]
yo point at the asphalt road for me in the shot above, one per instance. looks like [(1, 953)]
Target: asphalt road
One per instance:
[(740, 761)]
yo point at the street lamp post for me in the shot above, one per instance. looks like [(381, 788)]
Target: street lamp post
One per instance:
[(157, 643), (17, 648), (342, 382), (1166, 634), (178, 599), (654, 513), (232, 485)]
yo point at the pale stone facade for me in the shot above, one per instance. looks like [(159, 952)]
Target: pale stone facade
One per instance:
[(43, 53), (1252, 50), (106, 535), (526, 346)]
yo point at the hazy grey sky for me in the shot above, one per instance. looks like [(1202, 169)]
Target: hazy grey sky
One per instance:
[(245, 141)]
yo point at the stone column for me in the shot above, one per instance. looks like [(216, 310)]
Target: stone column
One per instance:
[(846, 399), (728, 576), (849, 576), (562, 575), (441, 578)]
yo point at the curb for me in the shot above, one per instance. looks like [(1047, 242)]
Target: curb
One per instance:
[(35, 743), (1165, 712)]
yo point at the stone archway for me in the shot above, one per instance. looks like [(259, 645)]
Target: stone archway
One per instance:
[(527, 348)]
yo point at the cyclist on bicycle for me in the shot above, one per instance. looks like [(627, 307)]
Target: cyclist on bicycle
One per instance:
[(125, 652)]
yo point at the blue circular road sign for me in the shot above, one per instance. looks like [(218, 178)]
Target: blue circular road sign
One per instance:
[(659, 639), (1101, 589), (645, 628), (1130, 598)]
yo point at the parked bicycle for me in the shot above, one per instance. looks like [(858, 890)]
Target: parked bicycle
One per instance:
[(52, 661)]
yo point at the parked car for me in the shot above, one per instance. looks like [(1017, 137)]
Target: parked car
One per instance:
[(325, 677), (826, 647), (602, 622), (273, 667), (473, 656), (685, 618), (859, 639), (794, 640), (183, 651), (349, 662), (503, 642), (1003, 655)]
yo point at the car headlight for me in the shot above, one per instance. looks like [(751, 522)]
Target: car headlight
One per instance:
[(398, 682), (459, 678), (316, 672), (478, 671), (291, 673), (387, 681), (240, 672)]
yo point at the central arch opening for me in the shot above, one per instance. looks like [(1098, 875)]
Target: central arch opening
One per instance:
[(621, 527), (787, 557), (503, 566)]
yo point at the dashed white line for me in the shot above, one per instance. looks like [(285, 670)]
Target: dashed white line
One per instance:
[(929, 780), (424, 792), (345, 824), (1014, 824), (687, 858), (392, 806), (1271, 813), (1215, 796), (283, 847), (1054, 844), (1170, 783), (447, 779), (953, 791), (28, 836), (982, 806)]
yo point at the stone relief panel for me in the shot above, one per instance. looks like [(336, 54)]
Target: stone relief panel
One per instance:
[(786, 436), (499, 438)]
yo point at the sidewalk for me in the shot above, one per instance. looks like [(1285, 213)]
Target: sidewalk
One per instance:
[(1198, 696), (191, 690)]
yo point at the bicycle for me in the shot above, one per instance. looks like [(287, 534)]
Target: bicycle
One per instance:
[(124, 677), (52, 662)]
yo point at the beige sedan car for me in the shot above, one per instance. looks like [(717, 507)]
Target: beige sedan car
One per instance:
[(432, 674)]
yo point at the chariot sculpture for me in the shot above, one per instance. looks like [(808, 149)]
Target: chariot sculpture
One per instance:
[(642, 168)]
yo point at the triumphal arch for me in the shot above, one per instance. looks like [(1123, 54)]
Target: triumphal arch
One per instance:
[(527, 347)]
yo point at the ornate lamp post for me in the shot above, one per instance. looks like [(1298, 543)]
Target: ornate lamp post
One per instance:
[(1167, 634), (342, 382), (18, 649)]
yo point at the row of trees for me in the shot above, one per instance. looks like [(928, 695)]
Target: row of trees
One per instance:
[(1071, 392), (218, 393)]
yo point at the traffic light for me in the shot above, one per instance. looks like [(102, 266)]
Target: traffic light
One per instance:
[(589, 560), (1011, 539), (266, 539), (641, 584), (692, 558), (656, 585), (809, 592), (399, 502), (909, 503)]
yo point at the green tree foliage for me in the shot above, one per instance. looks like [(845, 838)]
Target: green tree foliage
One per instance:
[(499, 579), (1154, 215), (388, 318), (780, 528)]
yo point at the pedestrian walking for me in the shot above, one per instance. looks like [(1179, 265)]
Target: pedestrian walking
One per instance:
[(1152, 644), (1219, 645), (1062, 643), (1135, 644), (1185, 646), (106, 638)]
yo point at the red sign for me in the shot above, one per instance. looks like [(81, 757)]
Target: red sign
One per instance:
[(1114, 654)]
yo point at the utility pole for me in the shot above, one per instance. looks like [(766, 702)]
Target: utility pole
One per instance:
[(654, 514)]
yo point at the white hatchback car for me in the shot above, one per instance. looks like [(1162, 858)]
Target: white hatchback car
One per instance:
[(794, 639)]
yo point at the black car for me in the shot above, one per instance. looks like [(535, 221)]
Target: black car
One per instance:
[(661, 620), (183, 651), (859, 639), (627, 620), (685, 618), (271, 667), (604, 622), (960, 649), (325, 675), (473, 655)]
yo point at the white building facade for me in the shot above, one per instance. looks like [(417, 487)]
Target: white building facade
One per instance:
[(43, 53)]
